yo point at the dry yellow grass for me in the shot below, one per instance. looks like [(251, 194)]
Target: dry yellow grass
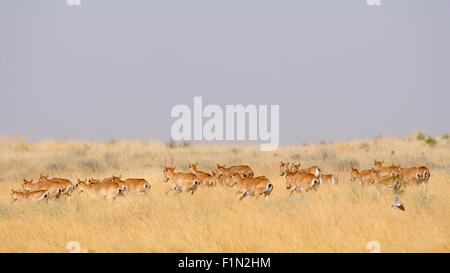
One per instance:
[(342, 219)]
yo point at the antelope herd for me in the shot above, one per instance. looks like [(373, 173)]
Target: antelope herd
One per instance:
[(242, 176)]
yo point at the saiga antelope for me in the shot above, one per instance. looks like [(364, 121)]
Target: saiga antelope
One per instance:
[(53, 188), (182, 182), (243, 170), (252, 186), (106, 190), (35, 196), (384, 172), (365, 177), (205, 179), (66, 185)]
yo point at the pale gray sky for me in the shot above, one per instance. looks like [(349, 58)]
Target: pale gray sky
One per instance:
[(340, 70)]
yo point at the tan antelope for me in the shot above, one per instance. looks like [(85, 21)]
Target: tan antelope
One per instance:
[(66, 185), (35, 196), (365, 177), (113, 179), (424, 173), (204, 179), (284, 168), (410, 176), (137, 185), (99, 190), (383, 172), (301, 182), (53, 188), (243, 170), (389, 182), (252, 186), (328, 179), (222, 179), (315, 170), (181, 182), (92, 181)]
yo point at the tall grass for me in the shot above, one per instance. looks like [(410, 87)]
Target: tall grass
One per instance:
[(333, 219)]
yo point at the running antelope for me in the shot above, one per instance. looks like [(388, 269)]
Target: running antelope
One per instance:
[(410, 176), (284, 168), (137, 185), (204, 179), (329, 179), (222, 179), (35, 196), (315, 170), (301, 182), (252, 186), (424, 173), (365, 177), (66, 185), (391, 171), (53, 188), (243, 170), (113, 179), (182, 182), (98, 190)]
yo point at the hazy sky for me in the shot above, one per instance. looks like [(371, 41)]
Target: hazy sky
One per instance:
[(340, 70)]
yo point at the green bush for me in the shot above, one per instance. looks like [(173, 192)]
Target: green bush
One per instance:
[(420, 136), (431, 141)]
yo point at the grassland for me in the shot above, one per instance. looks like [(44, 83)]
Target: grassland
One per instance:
[(339, 219)]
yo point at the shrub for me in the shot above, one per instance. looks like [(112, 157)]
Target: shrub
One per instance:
[(111, 160), (171, 144), (445, 136), (347, 163), (56, 166), (112, 141), (364, 146), (420, 136), (90, 165), (431, 141), (186, 144), (326, 154)]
